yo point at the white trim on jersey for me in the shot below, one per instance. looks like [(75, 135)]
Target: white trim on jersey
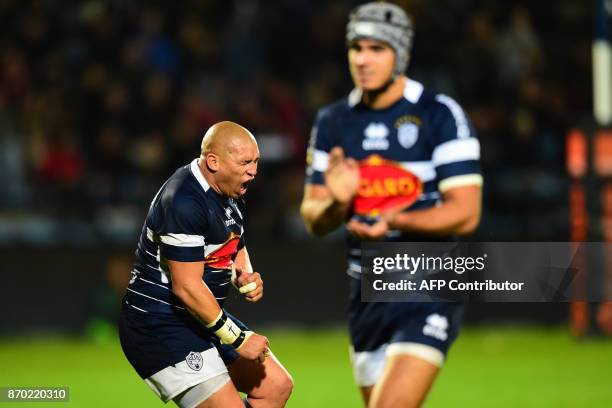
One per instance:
[(463, 130), (149, 253), (237, 209), (137, 308), (182, 240), (153, 283), (152, 298), (423, 351), (208, 249), (424, 170), (150, 235), (460, 181), (456, 150), (195, 169), (354, 267), (413, 90), (320, 160), (163, 274), (354, 97), (174, 379)]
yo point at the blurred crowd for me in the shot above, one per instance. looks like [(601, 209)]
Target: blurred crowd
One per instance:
[(101, 100)]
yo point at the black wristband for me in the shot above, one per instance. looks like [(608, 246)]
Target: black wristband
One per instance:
[(219, 323), (238, 342)]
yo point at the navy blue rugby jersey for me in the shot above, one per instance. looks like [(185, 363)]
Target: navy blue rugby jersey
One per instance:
[(187, 222), (408, 153)]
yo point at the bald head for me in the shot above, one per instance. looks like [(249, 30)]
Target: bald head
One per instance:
[(225, 138), (229, 158)]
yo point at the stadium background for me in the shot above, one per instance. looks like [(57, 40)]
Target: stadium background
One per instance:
[(101, 101)]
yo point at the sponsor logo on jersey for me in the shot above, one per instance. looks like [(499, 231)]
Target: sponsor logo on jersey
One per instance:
[(384, 185), (221, 258), (436, 327), (228, 214), (194, 361), (376, 137)]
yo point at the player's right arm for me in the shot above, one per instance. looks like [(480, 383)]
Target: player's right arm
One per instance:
[(320, 211), (331, 180), (180, 227), (187, 285), (325, 206)]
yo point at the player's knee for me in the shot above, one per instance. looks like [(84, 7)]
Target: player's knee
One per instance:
[(283, 388), (277, 391)]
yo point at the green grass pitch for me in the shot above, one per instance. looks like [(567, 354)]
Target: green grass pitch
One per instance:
[(487, 367)]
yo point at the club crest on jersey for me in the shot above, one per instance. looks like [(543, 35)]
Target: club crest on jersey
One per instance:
[(384, 185), (376, 137), (407, 135), (194, 361)]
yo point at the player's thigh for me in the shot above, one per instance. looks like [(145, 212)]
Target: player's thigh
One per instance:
[(226, 396), (405, 382), (261, 380)]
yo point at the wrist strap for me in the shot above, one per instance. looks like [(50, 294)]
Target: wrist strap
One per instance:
[(227, 331)]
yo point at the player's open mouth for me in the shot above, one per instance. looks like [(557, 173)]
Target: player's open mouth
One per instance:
[(244, 186)]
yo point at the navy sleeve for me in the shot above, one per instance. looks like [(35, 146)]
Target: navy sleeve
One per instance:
[(455, 150), (319, 146), (182, 234)]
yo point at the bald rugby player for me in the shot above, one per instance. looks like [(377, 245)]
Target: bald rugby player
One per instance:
[(174, 330)]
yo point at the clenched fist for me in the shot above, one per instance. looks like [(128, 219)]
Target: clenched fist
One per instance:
[(255, 347)]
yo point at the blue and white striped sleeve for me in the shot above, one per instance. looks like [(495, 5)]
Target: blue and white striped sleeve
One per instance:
[(456, 150), (182, 234), (317, 157)]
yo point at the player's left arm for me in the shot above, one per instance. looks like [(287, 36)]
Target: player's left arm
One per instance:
[(248, 282), (459, 214)]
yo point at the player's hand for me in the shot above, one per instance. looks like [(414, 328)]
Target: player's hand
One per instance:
[(342, 176), (255, 347), (250, 285), (367, 232), (390, 217)]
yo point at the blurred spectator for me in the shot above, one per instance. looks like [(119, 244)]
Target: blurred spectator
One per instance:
[(98, 103)]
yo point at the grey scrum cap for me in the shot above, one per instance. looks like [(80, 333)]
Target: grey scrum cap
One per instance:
[(383, 22)]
